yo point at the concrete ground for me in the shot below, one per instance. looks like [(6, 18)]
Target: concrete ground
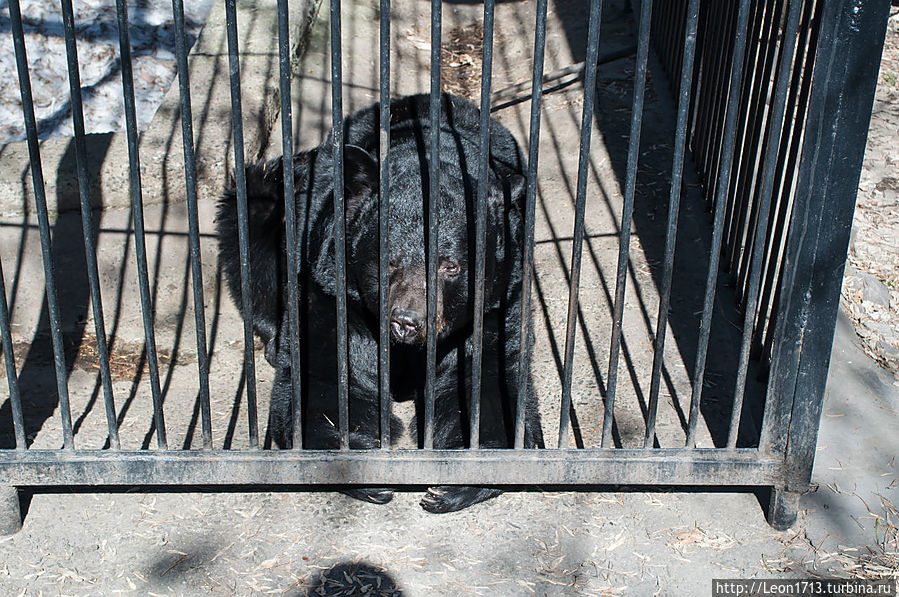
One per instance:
[(611, 541)]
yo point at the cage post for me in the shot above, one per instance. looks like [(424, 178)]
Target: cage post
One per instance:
[(843, 85), (783, 508), (10, 514)]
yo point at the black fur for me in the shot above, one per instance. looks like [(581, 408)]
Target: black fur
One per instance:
[(409, 158)]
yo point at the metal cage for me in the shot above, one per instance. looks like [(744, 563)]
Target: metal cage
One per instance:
[(773, 100)]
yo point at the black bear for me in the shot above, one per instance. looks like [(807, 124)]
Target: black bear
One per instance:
[(409, 153)]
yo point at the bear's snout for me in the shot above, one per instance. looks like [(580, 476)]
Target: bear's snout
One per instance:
[(406, 325)]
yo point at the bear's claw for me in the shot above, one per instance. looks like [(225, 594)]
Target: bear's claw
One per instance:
[(451, 498), (374, 495)]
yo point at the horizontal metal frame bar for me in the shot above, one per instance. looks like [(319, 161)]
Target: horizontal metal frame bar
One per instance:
[(675, 466)]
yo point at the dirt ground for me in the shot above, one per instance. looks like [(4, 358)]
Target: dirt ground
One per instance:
[(871, 282)]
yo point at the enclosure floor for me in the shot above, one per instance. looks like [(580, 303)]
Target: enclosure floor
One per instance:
[(557, 179)]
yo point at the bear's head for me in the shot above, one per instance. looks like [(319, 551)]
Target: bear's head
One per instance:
[(408, 236)]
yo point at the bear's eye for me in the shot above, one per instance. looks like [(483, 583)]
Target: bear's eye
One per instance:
[(391, 266), (450, 268)]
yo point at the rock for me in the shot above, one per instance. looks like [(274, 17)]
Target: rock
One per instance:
[(873, 290), (888, 351), (881, 328)]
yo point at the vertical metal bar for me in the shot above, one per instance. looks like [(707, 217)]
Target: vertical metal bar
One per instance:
[(661, 31), (524, 354), (670, 24), (677, 171), (680, 24), (786, 156), (730, 129), (383, 228), (753, 221), (659, 27), (743, 153), (670, 32), (719, 96), (671, 37), (792, 171), (243, 233), (746, 193), (40, 200), (786, 59), (93, 276), (137, 211), (433, 222), (290, 220), (339, 225), (474, 409), (704, 81), (190, 187), (579, 209), (12, 378), (627, 214), (753, 70)]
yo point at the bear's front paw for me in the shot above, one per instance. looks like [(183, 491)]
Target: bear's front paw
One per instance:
[(451, 498), (372, 495)]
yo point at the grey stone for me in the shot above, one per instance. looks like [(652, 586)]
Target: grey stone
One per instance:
[(873, 290), (881, 328), (10, 514), (887, 350)]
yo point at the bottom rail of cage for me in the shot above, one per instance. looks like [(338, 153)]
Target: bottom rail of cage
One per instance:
[(709, 466)]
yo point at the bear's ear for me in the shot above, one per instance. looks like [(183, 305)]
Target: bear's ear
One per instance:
[(360, 177), (508, 193), (516, 187), (265, 190)]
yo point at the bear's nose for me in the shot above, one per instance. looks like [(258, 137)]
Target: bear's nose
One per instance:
[(405, 324)]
